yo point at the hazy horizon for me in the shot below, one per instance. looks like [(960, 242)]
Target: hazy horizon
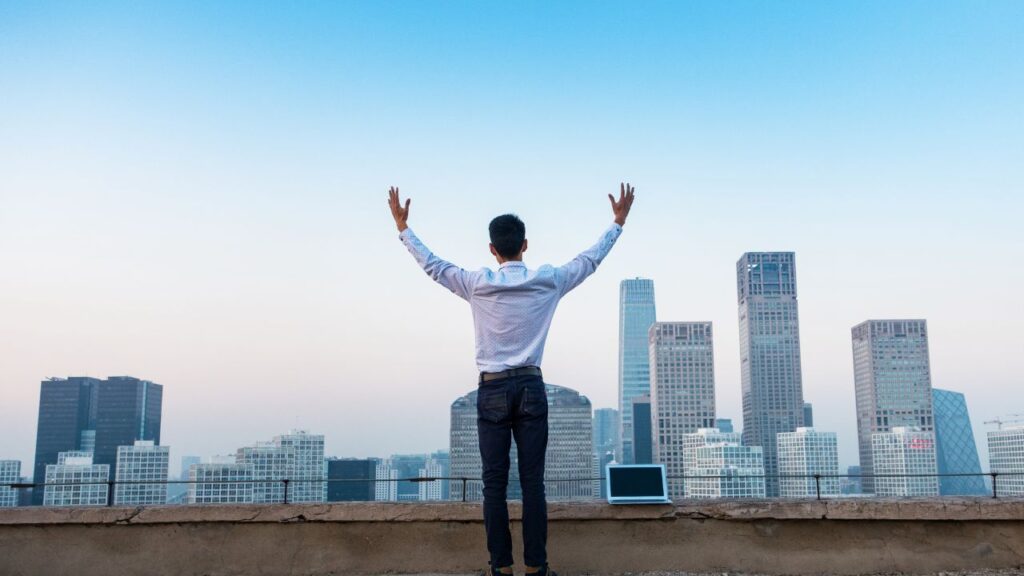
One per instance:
[(196, 194)]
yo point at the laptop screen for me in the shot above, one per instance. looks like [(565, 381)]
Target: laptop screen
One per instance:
[(635, 482)]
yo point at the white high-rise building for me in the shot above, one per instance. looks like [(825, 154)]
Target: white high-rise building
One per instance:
[(309, 472), (10, 473), (385, 487), (137, 464), (1006, 456), (893, 383), (726, 470), (433, 468), (682, 365), (704, 437), (270, 462), (569, 461), (802, 455), (220, 481), (899, 456), (76, 481)]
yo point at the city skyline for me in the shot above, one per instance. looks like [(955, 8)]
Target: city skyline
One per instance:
[(214, 216)]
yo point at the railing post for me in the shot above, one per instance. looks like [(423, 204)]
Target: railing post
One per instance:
[(464, 480), (285, 490), (817, 485), (995, 492), (110, 492)]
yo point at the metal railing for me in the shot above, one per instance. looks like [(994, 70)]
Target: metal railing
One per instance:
[(463, 484)]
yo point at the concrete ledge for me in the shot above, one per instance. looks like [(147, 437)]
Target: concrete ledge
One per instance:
[(846, 536)]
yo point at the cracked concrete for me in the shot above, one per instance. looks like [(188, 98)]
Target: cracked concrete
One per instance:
[(768, 537)]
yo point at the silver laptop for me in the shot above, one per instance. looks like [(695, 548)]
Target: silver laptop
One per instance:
[(637, 484)]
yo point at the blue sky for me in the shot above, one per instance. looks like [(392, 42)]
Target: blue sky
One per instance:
[(195, 193)]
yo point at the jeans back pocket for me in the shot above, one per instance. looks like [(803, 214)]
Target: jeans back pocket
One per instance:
[(492, 404)]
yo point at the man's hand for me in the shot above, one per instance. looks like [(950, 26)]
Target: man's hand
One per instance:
[(399, 213), (620, 208)]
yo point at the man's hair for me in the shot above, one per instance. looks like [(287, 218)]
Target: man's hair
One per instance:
[(507, 234)]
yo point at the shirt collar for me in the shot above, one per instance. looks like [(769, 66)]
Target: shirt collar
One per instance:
[(512, 263)]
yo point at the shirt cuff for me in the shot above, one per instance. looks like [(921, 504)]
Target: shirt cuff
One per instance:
[(404, 234)]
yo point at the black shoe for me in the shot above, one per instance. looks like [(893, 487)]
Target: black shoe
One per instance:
[(492, 571), (545, 571)]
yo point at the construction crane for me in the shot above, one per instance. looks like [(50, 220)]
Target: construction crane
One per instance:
[(1012, 419)]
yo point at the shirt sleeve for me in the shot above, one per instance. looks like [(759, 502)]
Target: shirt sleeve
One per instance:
[(443, 272), (576, 271)]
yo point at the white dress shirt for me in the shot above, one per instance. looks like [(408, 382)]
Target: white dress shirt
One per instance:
[(512, 306)]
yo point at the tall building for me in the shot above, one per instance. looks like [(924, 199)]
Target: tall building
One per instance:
[(726, 470), (955, 449), (76, 481), (568, 460), (691, 441), (1006, 457), (606, 430), (307, 473), (137, 466), (804, 454), (98, 416), (892, 378), (351, 479), (643, 441), (10, 473), (724, 424), (220, 481), (271, 463), (808, 415), (904, 462), (682, 364), (636, 315), (773, 399)]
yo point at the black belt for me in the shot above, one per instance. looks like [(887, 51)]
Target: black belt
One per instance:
[(524, 371)]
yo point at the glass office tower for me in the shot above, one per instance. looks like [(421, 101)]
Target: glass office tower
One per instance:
[(893, 383), (955, 449), (636, 315), (773, 399)]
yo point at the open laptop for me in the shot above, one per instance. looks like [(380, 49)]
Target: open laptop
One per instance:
[(637, 484)]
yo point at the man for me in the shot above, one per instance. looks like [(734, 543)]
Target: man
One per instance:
[(512, 310)]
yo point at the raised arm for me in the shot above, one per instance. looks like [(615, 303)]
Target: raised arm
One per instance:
[(444, 273), (576, 271)]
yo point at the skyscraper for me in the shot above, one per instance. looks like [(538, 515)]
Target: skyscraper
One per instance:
[(354, 479), (892, 378), (643, 443), (569, 454), (136, 465), (76, 481), (682, 364), (773, 399), (904, 462), (97, 416), (636, 315), (808, 415), (1006, 456), (804, 454), (10, 473), (955, 449)]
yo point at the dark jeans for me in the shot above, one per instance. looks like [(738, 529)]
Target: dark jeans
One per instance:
[(516, 406)]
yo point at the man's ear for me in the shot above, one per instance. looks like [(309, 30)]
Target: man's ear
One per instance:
[(493, 251), (526, 243)]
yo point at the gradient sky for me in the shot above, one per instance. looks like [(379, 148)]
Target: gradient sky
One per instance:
[(195, 193)]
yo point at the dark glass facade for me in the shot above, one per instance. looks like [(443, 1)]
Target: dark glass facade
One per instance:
[(358, 476), (642, 448)]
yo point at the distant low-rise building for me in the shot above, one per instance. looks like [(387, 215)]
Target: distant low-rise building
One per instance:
[(220, 482), (10, 473), (351, 479), (904, 462), (75, 481), (141, 476), (727, 470), (803, 455), (1006, 457)]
